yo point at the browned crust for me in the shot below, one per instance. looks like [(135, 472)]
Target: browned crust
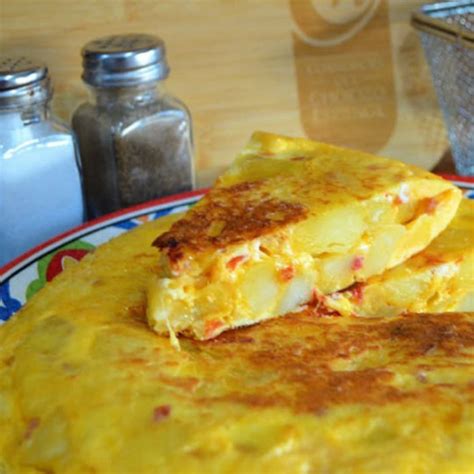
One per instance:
[(228, 216), (303, 377)]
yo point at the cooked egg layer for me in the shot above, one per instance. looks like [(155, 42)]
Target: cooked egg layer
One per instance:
[(87, 387), (290, 220)]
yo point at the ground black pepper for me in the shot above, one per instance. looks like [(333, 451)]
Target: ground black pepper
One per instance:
[(153, 160), (135, 140), (133, 152)]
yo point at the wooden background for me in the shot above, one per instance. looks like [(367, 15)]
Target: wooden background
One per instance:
[(350, 72)]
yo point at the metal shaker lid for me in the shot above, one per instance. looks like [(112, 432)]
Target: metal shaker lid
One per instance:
[(20, 71), (22, 80), (124, 60)]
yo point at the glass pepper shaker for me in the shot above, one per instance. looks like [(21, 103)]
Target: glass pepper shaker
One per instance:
[(40, 183), (135, 140)]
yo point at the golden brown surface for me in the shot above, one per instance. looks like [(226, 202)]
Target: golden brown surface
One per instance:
[(289, 219), (87, 387), (235, 214), (277, 181), (303, 367)]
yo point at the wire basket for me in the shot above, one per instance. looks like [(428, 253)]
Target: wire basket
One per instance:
[(447, 34)]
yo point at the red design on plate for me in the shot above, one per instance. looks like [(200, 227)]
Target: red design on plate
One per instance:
[(62, 259)]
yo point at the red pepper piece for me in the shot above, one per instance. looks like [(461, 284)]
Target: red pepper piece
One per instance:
[(357, 263), (161, 412), (431, 205), (287, 273), (234, 261), (211, 327), (357, 291)]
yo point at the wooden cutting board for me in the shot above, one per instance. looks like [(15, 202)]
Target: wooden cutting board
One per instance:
[(350, 72)]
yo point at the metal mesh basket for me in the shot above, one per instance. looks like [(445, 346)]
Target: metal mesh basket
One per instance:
[(447, 34)]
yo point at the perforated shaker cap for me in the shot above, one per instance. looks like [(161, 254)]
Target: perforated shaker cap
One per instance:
[(22, 80), (124, 60)]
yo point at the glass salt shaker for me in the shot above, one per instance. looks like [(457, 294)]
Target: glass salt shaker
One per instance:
[(40, 185), (135, 140)]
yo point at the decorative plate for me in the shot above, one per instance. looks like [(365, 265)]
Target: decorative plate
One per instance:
[(26, 275)]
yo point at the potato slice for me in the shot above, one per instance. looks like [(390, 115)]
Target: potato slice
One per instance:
[(316, 212)]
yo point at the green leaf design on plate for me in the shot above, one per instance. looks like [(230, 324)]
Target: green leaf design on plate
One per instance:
[(50, 265)]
